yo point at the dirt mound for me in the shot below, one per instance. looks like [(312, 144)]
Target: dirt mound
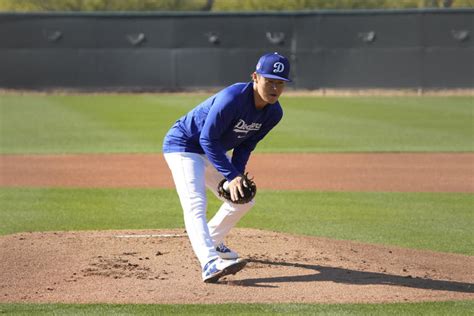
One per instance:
[(160, 267)]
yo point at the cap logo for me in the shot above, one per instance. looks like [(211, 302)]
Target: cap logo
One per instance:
[(278, 67)]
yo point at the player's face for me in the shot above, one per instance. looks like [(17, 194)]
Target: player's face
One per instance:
[(268, 89)]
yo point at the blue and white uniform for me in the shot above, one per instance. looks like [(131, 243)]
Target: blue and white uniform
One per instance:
[(196, 148), (227, 120)]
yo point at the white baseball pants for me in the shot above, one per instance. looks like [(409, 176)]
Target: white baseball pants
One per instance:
[(191, 174)]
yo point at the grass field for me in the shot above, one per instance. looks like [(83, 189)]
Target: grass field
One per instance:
[(438, 308), (440, 222), (138, 123), (41, 124)]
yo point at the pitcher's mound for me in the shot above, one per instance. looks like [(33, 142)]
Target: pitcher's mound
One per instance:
[(159, 267)]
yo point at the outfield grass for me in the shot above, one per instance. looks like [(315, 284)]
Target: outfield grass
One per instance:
[(138, 123), (440, 222), (88, 123), (436, 308)]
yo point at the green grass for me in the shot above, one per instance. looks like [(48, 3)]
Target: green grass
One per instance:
[(87, 209), (433, 308), (440, 222), (435, 221), (138, 123), (88, 123), (374, 124)]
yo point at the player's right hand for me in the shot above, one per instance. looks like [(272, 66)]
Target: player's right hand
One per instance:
[(235, 188)]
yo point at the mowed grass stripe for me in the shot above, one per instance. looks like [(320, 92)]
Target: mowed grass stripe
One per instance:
[(88, 123), (138, 123), (434, 221), (372, 124), (427, 308)]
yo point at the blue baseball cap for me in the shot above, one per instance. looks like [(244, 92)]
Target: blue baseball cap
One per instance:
[(273, 66)]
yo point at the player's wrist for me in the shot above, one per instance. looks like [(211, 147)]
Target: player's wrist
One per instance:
[(232, 176)]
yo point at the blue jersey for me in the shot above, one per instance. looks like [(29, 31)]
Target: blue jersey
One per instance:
[(227, 120)]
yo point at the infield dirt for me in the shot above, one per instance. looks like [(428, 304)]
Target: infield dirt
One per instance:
[(146, 267), (402, 172)]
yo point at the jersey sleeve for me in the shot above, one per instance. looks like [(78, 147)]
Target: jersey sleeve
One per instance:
[(218, 120), (241, 153)]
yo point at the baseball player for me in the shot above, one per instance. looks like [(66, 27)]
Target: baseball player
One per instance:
[(195, 149)]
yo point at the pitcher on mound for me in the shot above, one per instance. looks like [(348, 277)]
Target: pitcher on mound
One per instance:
[(195, 149)]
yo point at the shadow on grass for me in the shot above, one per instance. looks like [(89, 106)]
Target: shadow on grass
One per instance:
[(348, 276)]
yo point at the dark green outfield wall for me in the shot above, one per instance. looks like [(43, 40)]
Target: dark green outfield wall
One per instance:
[(173, 51)]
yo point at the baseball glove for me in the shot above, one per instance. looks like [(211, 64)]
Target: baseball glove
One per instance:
[(248, 186)]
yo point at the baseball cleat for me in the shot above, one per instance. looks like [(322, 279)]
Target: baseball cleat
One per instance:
[(226, 253), (217, 268)]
